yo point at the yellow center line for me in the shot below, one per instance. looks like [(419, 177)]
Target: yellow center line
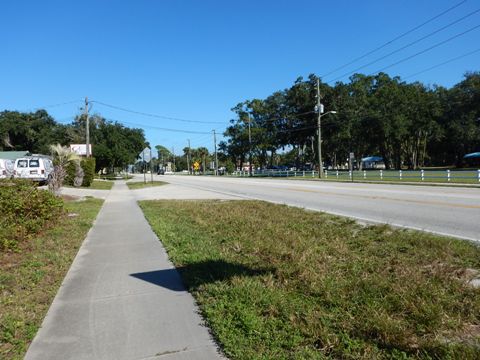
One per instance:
[(424, 202)]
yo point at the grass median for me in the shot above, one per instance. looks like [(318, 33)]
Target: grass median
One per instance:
[(140, 184), (97, 185), (275, 282), (31, 275)]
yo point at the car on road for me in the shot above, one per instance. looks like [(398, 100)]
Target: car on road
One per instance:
[(36, 168)]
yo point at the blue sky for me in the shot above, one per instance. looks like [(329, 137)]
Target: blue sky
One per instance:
[(196, 60)]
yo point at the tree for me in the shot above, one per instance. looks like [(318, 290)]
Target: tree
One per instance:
[(62, 157)]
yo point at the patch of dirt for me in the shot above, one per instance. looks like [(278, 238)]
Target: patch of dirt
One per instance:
[(72, 198)]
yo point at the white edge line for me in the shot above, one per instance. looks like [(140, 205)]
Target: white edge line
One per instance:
[(358, 218)]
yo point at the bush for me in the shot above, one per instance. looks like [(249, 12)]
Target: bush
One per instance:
[(88, 166), (25, 211), (69, 179)]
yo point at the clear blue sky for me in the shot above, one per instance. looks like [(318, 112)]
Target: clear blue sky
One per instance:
[(197, 59)]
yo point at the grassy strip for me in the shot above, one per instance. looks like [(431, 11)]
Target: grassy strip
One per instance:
[(275, 282), (31, 276), (141, 184), (98, 185), (456, 177)]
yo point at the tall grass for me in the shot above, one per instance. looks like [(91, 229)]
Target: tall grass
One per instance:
[(275, 282)]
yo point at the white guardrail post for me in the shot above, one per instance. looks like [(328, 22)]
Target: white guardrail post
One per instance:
[(381, 174), (422, 174), (364, 174), (400, 174), (448, 175), (478, 174), (326, 174)]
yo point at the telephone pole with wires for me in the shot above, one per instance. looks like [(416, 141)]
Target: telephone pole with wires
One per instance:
[(319, 110), (188, 157), (216, 158), (87, 127)]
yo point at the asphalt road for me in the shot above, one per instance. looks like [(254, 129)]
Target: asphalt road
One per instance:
[(451, 211)]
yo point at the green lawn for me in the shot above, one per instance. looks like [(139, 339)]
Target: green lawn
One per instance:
[(430, 176), (99, 185), (31, 276), (141, 184), (275, 282)]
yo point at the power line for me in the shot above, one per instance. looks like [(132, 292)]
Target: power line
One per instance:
[(405, 46), (160, 128), (155, 115), (60, 104), (442, 63), (395, 39), (427, 49)]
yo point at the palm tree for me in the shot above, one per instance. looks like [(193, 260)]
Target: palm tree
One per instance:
[(62, 156), (203, 152)]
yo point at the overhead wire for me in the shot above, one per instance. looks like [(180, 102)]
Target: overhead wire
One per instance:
[(154, 115), (158, 128), (442, 63), (427, 49), (405, 46), (394, 39), (59, 104)]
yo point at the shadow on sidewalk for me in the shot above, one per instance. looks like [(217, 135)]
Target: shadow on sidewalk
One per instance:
[(196, 274)]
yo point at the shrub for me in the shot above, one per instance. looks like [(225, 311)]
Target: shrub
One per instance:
[(69, 179), (88, 166), (25, 211)]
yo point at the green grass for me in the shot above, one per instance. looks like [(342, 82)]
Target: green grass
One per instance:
[(141, 184), (275, 282), (31, 276), (99, 185), (408, 176), (456, 177)]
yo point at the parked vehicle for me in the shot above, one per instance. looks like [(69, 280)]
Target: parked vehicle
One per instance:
[(35, 168), (6, 168)]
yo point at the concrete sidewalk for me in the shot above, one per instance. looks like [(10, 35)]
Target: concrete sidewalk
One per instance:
[(122, 298)]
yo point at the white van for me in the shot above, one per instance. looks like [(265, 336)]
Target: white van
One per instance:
[(6, 168), (35, 168)]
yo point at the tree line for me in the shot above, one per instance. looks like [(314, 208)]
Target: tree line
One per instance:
[(115, 146), (410, 125)]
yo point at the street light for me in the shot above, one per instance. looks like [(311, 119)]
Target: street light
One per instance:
[(319, 125)]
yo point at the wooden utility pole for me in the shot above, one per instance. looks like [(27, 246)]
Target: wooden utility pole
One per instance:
[(188, 157), (250, 146), (216, 158), (319, 130), (87, 127)]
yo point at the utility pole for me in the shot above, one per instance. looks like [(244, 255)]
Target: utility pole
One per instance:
[(319, 109), (216, 158), (151, 165), (87, 128), (188, 156), (173, 154), (250, 145)]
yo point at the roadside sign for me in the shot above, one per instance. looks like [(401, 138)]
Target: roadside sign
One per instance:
[(196, 166), (145, 155)]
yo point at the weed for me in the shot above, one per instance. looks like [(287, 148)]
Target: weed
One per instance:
[(275, 282)]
